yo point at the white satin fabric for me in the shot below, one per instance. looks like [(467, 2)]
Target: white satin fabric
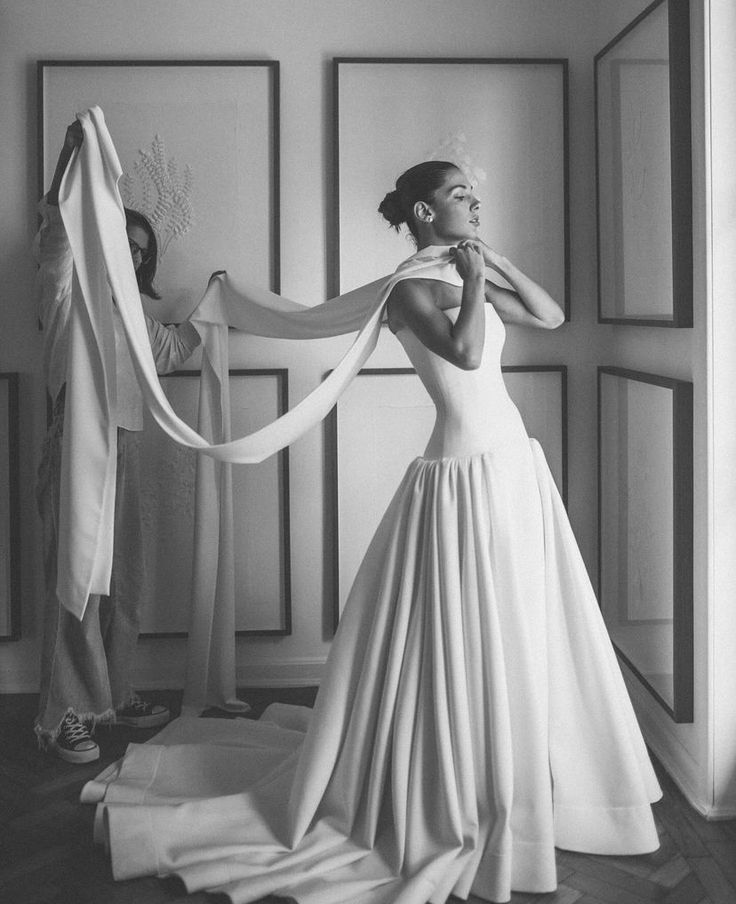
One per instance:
[(472, 716)]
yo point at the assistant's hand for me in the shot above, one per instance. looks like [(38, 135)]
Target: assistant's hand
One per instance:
[(74, 135), (73, 139), (469, 260)]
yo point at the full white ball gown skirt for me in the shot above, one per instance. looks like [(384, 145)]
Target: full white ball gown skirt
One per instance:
[(472, 716)]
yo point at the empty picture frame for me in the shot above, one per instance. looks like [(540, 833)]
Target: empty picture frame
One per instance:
[(9, 508), (503, 120), (383, 421), (645, 534), (644, 170), (208, 129), (260, 509)]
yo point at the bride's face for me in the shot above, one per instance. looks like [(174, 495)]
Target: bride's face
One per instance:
[(455, 209)]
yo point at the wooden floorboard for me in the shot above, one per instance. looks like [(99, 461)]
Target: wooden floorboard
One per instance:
[(47, 855)]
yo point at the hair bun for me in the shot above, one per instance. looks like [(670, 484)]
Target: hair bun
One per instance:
[(391, 209)]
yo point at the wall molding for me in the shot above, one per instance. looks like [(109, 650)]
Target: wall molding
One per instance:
[(296, 672)]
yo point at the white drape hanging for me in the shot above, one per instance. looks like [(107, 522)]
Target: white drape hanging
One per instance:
[(94, 219)]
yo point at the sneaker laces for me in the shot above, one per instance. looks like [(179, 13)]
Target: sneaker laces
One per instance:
[(138, 704), (73, 730)]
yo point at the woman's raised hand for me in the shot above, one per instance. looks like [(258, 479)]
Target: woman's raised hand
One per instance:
[(469, 259), (493, 259)]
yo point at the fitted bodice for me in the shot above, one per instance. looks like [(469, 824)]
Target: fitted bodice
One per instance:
[(474, 411)]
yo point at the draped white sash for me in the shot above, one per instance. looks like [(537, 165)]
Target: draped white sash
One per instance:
[(94, 219)]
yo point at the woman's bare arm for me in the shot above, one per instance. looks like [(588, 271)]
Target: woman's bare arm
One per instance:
[(529, 304)]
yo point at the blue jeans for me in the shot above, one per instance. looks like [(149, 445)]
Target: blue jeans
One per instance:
[(85, 664)]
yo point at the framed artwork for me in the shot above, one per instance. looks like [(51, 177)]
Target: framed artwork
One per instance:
[(645, 529), (260, 507), (198, 143), (504, 121), (383, 421), (540, 394), (9, 508), (644, 170)]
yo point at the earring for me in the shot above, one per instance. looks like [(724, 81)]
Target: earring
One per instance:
[(429, 219)]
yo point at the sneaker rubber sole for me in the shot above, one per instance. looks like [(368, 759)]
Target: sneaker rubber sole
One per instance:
[(76, 756), (151, 721)]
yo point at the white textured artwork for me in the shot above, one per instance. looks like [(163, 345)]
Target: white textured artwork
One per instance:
[(217, 151), (157, 189)]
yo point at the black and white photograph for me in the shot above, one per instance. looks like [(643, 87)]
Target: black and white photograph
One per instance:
[(367, 442)]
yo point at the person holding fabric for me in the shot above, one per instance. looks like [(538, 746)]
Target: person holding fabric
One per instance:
[(472, 715), (85, 663)]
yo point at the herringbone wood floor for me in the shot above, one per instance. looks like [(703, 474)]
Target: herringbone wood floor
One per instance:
[(47, 855)]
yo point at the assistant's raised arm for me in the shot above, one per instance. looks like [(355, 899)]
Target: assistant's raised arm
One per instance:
[(73, 139)]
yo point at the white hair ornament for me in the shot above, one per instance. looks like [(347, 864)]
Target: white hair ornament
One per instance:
[(454, 150)]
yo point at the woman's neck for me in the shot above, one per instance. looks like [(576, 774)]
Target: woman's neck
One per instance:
[(435, 241)]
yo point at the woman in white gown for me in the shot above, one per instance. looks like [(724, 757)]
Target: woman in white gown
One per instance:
[(472, 716)]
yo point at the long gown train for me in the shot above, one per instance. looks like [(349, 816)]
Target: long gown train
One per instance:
[(472, 716)]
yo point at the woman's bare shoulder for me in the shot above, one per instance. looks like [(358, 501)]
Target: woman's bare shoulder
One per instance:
[(422, 297), (416, 289)]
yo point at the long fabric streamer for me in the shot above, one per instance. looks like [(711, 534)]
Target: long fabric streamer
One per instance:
[(94, 218)]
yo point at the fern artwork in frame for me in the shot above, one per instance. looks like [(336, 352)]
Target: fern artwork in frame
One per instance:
[(198, 143)]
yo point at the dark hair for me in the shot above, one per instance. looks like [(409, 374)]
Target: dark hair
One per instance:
[(147, 270), (417, 184)]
